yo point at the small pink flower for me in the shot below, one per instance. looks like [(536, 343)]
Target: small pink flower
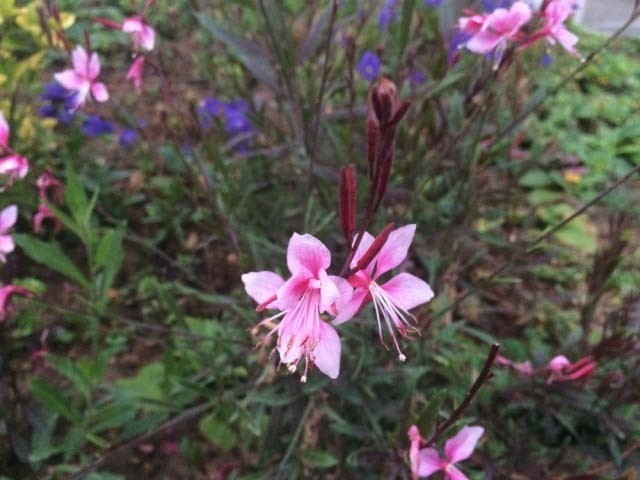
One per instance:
[(523, 368), (562, 370), (555, 14), (392, 300), (143, 35), (301, 299), (8, 218), (492, 31), (456, 449), (49, 187), (135, 72), (82, 77), (6, 299), (12, 165)]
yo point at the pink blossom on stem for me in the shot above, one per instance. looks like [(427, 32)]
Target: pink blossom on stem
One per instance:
[(523, 368), (427, 461), (82, 78), (8, 218), (492, 32), (392, 300), (12, 165), (555, 14), (562, 370), (135, 72), (7, 292), (143, 35), (50, 189), (301, 299)]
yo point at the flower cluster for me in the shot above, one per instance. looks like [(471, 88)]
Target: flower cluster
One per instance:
[(491, 32), (311, 302)]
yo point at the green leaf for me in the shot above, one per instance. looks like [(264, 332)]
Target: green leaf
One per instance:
[(147, 383), (218, 432), (405, 26), (428, 419), (74, 374), (51, 398), (50, 255), (110, 256), (319, 459), (536, 179), (579, 233), (252, 56), (75, 197)]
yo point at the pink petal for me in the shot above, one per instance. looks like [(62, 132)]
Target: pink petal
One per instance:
[(290, 292), (329, 292), (520, 14), (6, 244), (132, 25), (135, 72), (567, 39), (8, 218), (452, 473), (429, 462), (15, 165), (395, 249), (307, 254), (365, 243), (99, 92), (262, 285), (93, 68), (4, 131), (70, 80), (80, 61), (461, 446), (147, 37), (327, 351), (345, 292), (408, 291), (559, 363), (349, 309), (483, 42)]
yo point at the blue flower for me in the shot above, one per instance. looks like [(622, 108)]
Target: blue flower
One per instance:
[(432, 3), (416, 78), (236, 120), (94, 126), (128, 136), (59, 103), (491, 5), (369, 66), (546, 60), (459, 39), (387, 15)]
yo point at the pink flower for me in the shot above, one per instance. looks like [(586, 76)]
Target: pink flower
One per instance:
[(492, 31), (392, 300), (144, 36), (8, 218), (135, 72), (49, 187), (456, 449), (523, 368), (301, 299), (82, 78), (562, 370), (12, 165), (6, 304), (555, 14), (41, 215)]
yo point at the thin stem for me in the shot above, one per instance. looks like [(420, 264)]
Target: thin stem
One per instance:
[(323, 85), (296, 436), (485, 374), (508, 263)]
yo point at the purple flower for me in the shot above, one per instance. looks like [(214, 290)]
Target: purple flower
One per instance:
[(546, 60), (432, 3), (416, 78), (128, 136), (369, 66), (491, 5), (387, 15), (94, 126), (59, 103), (236, 119), (459, 39)]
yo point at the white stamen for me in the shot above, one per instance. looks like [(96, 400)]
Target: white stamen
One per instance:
[(303, 379)]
